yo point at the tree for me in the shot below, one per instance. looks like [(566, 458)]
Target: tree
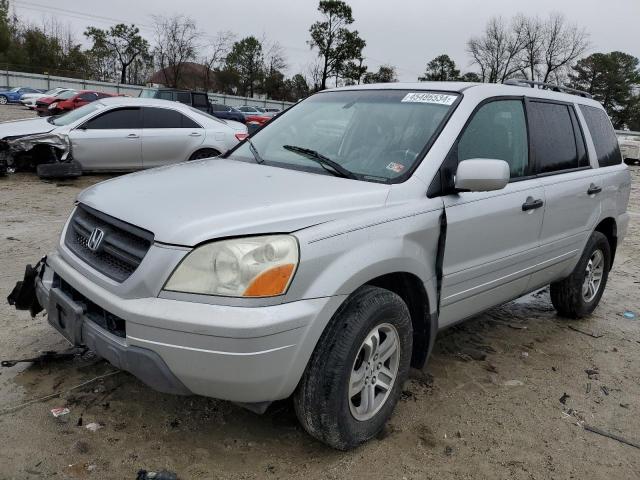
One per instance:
[(336, 44), (353, 71), (441, 69), (124, 42), (611, 79), (274, 65), (472, 77), (176, 43), (215, 57), (497, 51), (385, 74), (246, 61), (297, 88)]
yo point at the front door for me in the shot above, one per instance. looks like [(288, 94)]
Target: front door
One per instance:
[(491, 237), (109, 141)]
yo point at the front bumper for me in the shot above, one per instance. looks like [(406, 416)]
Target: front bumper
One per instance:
[(242, 354)]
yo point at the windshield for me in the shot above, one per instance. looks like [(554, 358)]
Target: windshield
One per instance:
[(204, 114), (378, 135), (66, 95), (73, 115), (148, 93), (15, 89)]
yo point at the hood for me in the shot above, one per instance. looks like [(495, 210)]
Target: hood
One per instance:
[(193, 202), (30, 126)]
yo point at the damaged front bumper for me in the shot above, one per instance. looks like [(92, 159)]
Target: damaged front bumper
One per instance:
[(26, 152)]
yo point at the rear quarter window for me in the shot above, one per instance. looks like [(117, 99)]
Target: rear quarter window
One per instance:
[(603, 135)]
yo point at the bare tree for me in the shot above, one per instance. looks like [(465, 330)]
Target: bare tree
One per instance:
[(176, 43), (497, 51), (539, 50), (563, 44), (217, 51)]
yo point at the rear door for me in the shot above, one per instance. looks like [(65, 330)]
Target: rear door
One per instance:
[(491, 237), (168, 136), (109, 141), (572, 192)]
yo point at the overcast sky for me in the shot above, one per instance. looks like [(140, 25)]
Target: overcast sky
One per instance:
[(404, 33)]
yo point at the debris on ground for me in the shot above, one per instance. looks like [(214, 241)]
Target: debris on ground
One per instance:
[(524, 354), (592, 371), (613, 436), (93, 426), (588, 389), (490, 367), (564, 397), (629, 315), (589, 334), (161, 475), (604, 389), (624, 405), (60, 411), (47, 356)]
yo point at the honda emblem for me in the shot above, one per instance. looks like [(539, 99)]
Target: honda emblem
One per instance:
[(95, 240)]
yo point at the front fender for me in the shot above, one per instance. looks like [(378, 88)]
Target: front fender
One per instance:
[(338, 258)]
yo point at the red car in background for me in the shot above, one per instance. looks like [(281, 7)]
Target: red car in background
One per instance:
[(67, 101)]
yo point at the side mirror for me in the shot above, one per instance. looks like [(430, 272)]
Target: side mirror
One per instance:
[(482, 175)]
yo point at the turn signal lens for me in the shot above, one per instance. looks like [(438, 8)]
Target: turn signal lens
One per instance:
[(270, 283)]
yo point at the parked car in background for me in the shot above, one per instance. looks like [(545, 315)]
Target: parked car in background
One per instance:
[(118, 134), (227, 112), (13, 95), (249, 110), (272, 110), (67, 101), (199, 100), (629, 146), (29, 99)]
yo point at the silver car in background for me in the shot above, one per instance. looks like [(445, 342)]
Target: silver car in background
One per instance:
[(123, 134)]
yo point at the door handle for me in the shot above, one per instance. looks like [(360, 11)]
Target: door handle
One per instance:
[(195, 134), (593, 189), (532, 204), (133, 135)]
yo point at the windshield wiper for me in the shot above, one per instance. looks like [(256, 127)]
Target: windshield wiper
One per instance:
[(254, 151), (333, 167)]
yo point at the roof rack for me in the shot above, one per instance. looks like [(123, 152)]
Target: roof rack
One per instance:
[(520, 82)]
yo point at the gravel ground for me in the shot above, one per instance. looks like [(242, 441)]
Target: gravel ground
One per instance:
[(486, 406)]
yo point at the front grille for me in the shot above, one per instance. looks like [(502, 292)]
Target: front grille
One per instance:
[(98, 315), (122, 248)]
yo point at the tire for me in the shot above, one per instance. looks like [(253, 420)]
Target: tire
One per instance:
[(3, 100), (322, 401), (204, 153), (59, 170), (568, 296)]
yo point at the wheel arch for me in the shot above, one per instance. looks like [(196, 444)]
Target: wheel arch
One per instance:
[(609, 228), (412, 290)]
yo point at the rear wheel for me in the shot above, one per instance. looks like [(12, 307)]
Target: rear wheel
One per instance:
[(3, 100), (355, 375), (579, 294), (204, 153)]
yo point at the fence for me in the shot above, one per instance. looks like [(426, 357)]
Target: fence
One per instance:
[(35, 80)]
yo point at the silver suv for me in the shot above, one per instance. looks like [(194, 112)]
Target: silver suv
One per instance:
[(321, 257)]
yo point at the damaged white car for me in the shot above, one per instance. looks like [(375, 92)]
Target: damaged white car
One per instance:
[(115, 135)]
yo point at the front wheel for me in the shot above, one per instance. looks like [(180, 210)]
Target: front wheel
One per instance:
[(579, 294), (204, 153), (355, 375), (3, 100)]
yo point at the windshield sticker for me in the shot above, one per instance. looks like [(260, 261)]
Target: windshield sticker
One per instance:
[(395, 167), (437, 98)]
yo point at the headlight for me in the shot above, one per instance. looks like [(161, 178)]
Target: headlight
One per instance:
[(53, 105), (243, 267)]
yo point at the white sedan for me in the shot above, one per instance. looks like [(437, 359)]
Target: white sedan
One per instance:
[(120, 134)]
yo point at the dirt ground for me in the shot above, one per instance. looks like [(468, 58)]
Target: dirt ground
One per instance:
[(488, 404)]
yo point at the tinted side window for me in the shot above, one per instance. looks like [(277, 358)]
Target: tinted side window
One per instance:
[(88, 97), (200, 100), (184, 97), (552, 137), (123, 118), (165, 95), (603, 135), (165, 118), (498, 130)]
